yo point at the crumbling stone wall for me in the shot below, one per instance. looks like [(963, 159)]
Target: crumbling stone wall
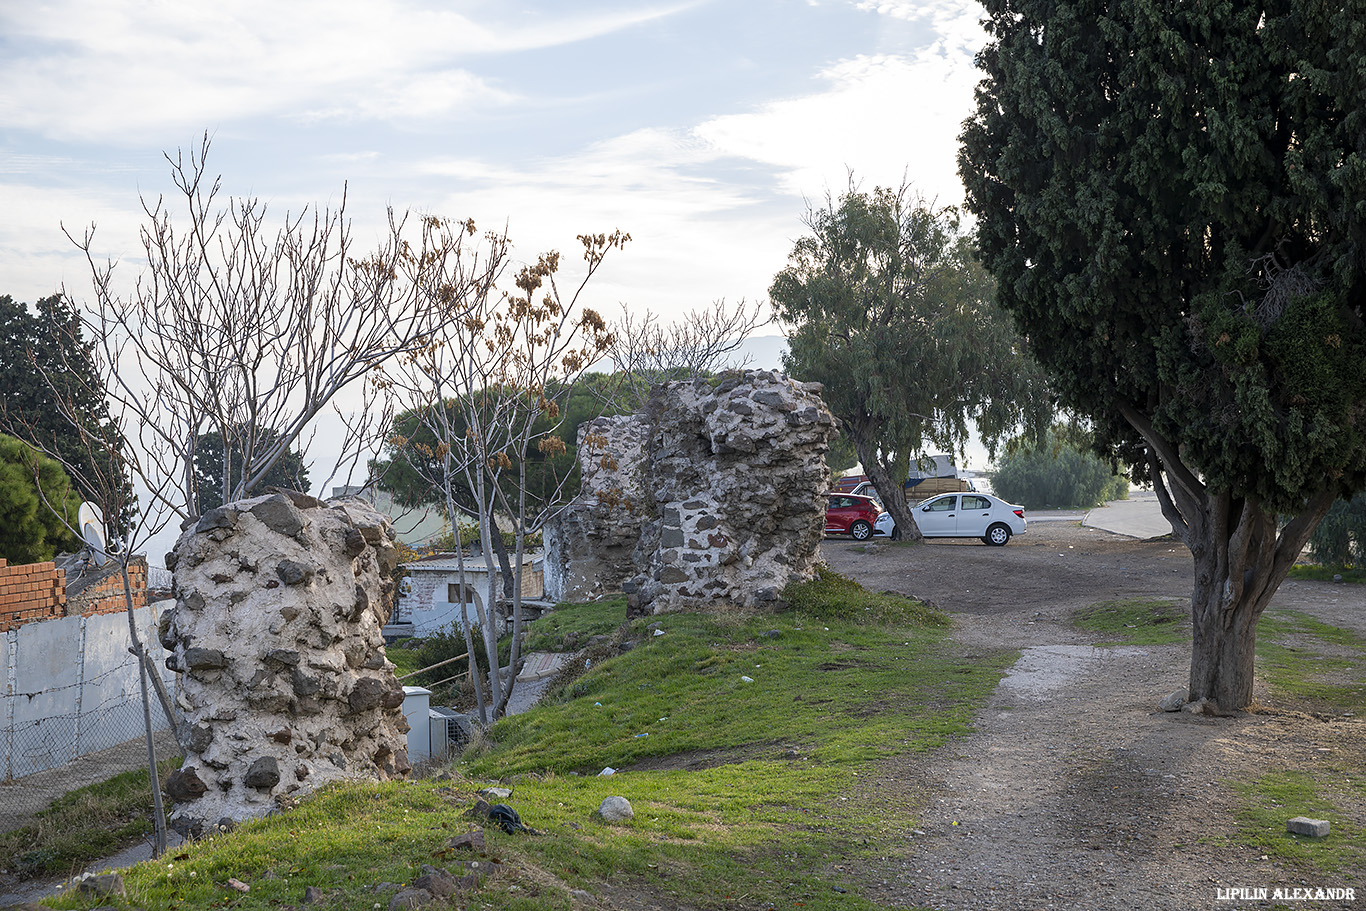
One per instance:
[(728, 484), (590, 547), (275, 633)]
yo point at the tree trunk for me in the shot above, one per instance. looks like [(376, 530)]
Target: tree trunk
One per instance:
[(1242, 555), (500, 549), (1224, 642), (892, 491)]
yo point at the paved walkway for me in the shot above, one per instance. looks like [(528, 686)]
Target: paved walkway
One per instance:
[(535, 677), (1140, 516)]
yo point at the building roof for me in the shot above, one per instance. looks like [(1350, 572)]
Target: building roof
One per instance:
[(446, 563)]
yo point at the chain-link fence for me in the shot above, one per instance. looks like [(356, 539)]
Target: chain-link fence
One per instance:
[(72, 691)]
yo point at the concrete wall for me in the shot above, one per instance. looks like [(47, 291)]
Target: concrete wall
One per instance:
[(71, 688)]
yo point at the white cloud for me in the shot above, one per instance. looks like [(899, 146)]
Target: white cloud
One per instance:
[(121, 70), (882, 117)]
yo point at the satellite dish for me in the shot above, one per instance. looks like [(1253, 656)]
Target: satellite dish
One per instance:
[(92, 530)]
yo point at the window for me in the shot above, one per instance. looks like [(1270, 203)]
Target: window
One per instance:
[(453, 594), (976, 503), (944, 505)]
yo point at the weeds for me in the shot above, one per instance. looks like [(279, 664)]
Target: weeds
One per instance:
[(84, 825)]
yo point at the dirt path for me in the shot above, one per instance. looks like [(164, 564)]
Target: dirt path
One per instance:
[(1074, 791)]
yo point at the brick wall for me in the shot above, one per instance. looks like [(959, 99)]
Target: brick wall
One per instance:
[(104, 595), (37, 591), (30, 592)]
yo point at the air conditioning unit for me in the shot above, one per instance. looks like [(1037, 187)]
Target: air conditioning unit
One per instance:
[(451, 732)]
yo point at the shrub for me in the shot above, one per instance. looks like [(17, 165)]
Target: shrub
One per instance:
[(1057, 473), (1340, 539)]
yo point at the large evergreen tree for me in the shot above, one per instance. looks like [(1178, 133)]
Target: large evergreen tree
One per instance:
[(210, 470), (54, 398), (38, 508), (886, 306), (1170, 196)]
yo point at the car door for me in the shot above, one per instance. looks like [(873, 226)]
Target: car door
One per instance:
[(938, 518), (838, 514), (974, 515)]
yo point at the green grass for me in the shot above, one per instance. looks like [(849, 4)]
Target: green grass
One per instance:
[(1273, 799), (83, 825), (1294, 656), (1317, 573), (570, 626), (831, 596), (744, 792), (1310, 665), (1137, 621)]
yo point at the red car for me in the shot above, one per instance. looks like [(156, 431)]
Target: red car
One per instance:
[(847, 514)]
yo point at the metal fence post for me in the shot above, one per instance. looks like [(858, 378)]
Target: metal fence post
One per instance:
[(80, 693), (11, 696)]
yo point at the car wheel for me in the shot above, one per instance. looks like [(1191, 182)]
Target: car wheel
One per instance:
[(860, 531), (896, 533), (997, 535)]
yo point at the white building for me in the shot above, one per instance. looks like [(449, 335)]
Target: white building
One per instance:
[(431, 598)]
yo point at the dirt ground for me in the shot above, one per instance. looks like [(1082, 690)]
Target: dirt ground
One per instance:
[(1075, 791)]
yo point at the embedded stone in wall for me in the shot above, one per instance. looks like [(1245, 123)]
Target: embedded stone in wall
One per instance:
[(276, 633)]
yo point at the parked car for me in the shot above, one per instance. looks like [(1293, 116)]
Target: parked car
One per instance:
[(962, 515), (847, 514)]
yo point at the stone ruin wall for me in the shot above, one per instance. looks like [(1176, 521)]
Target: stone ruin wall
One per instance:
[(276, 636), (730, 482), (590, 548)]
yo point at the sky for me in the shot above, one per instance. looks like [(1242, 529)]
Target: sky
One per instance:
[(705, 129)]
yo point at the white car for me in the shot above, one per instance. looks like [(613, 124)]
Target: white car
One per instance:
[(962, 515)]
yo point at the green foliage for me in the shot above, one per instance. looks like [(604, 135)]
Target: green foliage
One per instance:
[(288, 472), (416, 654), (47, 371), (841, 456), (469, 535), (32, 531), (410, 466), (1056, 473), (831, 596), (1340, 539), (1169, 196), (888, 308), (1137, 621)]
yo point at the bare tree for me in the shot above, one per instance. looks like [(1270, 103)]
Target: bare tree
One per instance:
[(645, 351), (241, 330), (490, 390), (248, 331), (96, 467)]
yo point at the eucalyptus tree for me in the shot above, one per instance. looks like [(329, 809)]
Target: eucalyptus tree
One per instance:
[(886, 305), (1169, 195)]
